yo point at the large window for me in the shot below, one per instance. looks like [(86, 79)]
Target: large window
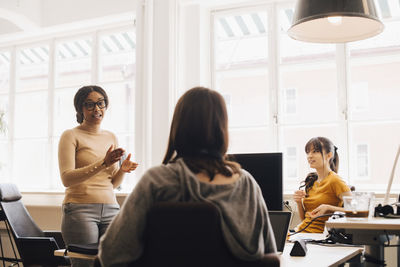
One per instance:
[(37, 85), (284, 92)]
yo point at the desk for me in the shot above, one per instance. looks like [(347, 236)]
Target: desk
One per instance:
[(373, 233), (320, 256), (60, 252)]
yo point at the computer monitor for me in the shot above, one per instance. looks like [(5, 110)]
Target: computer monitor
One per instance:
[(266, 168)]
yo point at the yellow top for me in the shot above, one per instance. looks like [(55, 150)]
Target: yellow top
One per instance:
[(328, 191), (81, 155)]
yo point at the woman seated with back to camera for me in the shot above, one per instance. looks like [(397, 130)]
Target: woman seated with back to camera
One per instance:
[(324, 189), (195, 169)]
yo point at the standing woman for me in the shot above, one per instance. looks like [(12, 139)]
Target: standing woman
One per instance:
[(88, 160), (324, 189), (195, 169)]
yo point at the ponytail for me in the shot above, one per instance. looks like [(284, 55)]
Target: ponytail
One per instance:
[(334, 162)]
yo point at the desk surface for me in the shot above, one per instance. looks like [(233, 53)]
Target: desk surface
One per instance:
[(370, 224), (318, 255)]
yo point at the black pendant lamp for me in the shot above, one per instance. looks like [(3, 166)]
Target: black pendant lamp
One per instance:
[(334, 21)]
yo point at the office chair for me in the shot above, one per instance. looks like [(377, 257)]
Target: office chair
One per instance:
[(189, 235), (35, 247)]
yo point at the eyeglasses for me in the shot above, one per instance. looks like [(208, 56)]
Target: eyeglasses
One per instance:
[(91, 105)]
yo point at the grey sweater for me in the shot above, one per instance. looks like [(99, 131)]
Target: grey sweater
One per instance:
[(244, 215)]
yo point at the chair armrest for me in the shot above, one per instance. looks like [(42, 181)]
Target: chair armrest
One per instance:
[(57, 236), (39, 249)]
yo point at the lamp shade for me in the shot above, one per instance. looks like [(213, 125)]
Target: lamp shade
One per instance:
[(334, 21)]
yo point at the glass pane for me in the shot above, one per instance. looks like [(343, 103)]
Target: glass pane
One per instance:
[(250, 140), (33, 68), (73, 62), (241, 39), (296, 138), (4, 162), (31, 115), (374, 82), (35, 158), (383, 140), (3, 116), (241, 54), (247, 97), (64, 110), (308, 78), (117, 56), (4, 72), (120, 113)]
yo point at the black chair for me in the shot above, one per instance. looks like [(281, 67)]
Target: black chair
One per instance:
[(189, 235), (35, 247)]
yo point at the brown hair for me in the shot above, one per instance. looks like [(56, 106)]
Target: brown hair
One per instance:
[(199, 133), (320, 144), (81, 96)]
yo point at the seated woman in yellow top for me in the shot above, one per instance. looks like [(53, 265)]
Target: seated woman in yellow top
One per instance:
[(324, 189)]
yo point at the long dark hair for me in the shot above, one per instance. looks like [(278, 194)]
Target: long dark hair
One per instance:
[(199, 133), (81, 96), (320, 144)]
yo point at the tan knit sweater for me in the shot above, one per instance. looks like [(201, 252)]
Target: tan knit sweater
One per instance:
[(80, 157)]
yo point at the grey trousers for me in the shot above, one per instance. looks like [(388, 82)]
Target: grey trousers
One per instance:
[(85, 224)]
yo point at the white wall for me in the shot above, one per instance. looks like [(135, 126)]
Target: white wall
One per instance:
[(61, 11)]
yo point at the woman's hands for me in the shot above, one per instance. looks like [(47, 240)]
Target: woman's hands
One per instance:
[(113, 156), (298, 196), (321, 210), (128, 165)]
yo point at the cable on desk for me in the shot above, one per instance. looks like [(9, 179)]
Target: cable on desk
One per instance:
[(324, 215)]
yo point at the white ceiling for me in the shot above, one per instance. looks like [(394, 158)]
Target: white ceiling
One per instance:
[(26, 15)]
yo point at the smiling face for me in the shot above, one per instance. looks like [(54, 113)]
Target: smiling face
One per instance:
[(94, 108), (318, 159)]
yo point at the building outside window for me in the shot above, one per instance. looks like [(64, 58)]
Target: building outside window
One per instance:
[(362, 161), (290, 98)]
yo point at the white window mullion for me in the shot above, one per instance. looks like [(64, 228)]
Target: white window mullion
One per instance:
[(95, 58), (273, 73), (342, 66), (11, 116), (51, 86)]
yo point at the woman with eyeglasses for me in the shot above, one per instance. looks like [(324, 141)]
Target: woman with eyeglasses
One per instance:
[(88, 161)]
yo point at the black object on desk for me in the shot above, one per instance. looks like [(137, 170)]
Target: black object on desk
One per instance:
[(299, 248)]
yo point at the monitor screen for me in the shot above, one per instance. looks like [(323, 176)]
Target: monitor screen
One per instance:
[(266, 169)]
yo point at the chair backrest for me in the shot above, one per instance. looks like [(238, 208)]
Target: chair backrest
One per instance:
[(189, 234), (34, 246), (18, 217)]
